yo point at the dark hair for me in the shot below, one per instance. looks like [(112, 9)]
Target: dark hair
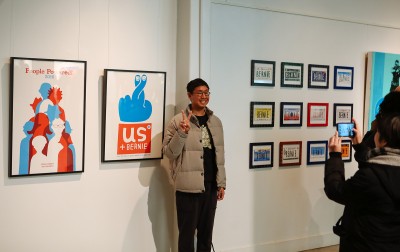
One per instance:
[(388, 126), (196, 83), (391, 103)]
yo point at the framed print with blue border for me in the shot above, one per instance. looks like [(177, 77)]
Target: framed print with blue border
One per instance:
[(343, 77), (317, 152)]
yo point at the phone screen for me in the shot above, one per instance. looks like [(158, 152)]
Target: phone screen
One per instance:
[(345, 129)]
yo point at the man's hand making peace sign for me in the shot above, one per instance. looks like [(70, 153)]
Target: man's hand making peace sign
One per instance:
[(185, 123)]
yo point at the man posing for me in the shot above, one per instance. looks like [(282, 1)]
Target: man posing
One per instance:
[(194, 144)]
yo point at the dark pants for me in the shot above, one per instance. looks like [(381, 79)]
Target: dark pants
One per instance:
[(196, 211)]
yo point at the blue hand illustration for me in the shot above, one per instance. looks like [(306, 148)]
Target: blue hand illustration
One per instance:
[(135, 108)]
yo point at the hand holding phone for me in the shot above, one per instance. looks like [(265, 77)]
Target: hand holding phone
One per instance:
[(345, 129)]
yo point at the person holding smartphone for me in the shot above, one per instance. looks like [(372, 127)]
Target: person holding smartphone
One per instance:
[(371, 218)]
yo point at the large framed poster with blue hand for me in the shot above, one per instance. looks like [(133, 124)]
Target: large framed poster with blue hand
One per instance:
[(133, 115)]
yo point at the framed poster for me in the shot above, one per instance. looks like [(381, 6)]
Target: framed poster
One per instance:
[(317, 114), (317, 152), (318, 76), (342, 113), (343, 77), (346, 150), (290, 153), (262, 73), (133, 115), (262, 114), (291, 75), (382, 77), (261, 155), (47, 116), (291, 114)]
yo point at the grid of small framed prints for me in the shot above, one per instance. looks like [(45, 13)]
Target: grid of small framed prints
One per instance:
[(262, 113), (263, 73)]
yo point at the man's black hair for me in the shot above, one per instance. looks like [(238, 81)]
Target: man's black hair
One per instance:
[(390, 103), (388, 127), (196, 83)]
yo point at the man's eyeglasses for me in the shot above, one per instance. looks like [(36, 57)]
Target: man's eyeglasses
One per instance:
[(202, 93)]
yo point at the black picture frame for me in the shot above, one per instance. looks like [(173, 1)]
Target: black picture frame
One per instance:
[(342, 113), (347, 150), (262, 73), (133, 115), (317, 152), (261, 155), (262, 114), (318, 76), (343, 77), (291, 114), (47, 116), (292, 74)]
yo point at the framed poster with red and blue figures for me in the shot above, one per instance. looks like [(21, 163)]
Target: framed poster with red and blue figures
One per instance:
[(47, 116)]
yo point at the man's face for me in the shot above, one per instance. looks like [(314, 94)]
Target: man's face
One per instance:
[(199, 97)]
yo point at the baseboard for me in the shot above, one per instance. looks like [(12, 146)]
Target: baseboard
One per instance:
[(294, 245)]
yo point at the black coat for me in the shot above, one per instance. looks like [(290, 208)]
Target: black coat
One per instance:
[(371, 218)]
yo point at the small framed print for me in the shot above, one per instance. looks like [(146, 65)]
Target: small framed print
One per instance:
[(318, 76), (317, 114), (291, 114), (317, 152), (290, 153), (343, 77), (262, 114), (346, 150), (342, 113), (262, 73), (261, 155), (291, 75)]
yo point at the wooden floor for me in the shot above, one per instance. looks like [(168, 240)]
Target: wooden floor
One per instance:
[(325, 249)]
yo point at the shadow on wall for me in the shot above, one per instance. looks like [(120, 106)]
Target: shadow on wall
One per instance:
[(4, 101), (161, 209), (160, 212), (161, 201)]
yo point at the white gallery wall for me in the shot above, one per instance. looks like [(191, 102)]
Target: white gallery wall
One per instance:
[(284, 208), (129, 206), (123, 206)]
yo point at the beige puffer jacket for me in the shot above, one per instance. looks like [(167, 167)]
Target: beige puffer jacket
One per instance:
[(185, 152)]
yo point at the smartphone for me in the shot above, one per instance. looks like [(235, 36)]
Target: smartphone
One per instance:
[(345, 129)]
